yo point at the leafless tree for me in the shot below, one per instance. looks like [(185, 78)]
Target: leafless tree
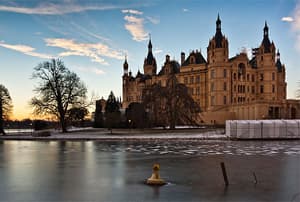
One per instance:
[(58, 90), (5, 106), (171, 104)]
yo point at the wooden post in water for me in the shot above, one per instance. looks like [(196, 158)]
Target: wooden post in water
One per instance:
[(255, 178), (224, 173)]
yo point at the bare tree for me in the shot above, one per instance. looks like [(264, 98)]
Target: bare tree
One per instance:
[(5, 106), (58, 90), (171, 104)]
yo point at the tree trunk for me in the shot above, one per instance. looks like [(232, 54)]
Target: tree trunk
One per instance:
[(63, 125)]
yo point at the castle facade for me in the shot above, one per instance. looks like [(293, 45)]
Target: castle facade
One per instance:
[(225, 88)]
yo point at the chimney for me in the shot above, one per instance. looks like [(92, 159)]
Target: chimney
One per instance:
[(167, 58), (182, 57)]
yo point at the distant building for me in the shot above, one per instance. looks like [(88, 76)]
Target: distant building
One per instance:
[(225, 88)]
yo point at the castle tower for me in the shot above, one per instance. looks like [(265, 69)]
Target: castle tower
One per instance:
[(218, 70), (125, 80), (267, 84), (281, 84), (217, 50), (150, 62)]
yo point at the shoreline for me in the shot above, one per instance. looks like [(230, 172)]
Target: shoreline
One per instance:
[(125, 135)]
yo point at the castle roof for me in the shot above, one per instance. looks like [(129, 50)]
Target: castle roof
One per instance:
[(175, 68), (199, 59)]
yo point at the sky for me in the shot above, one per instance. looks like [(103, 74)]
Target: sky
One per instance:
[(92, 37)]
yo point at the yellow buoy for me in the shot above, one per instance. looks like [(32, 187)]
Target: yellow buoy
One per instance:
[(155, 178)]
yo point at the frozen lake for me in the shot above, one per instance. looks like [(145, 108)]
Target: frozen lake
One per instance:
[(115, 171)]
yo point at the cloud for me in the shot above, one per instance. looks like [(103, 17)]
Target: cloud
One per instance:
[(185, 10), (287, 19), (153, 20), (135, 26), (94, 51), (27, 50), (131, 11), (55, 9), (93, 70)]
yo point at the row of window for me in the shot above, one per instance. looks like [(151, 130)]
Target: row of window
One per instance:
[(212, 73), (194, 91), (191, 80), (241, 75)]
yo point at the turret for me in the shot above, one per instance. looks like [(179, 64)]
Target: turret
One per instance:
[(182, 57), (278, 62), (150, 62), (266, 41), (125, 67)]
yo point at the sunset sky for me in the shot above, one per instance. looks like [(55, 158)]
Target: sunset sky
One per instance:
[(92, 37)]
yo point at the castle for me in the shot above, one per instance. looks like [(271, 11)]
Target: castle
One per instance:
[(225, 88)]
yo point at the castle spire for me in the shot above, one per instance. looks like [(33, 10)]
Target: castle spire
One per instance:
[(266, 30), (150, 57), (266, 41), (218, 35), (149, 44), (125, 66), (218, 23)]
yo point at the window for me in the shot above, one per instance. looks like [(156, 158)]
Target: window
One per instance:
[(248, 89), (212, 100), (248, 77), (273, 88), (253, 89), (192, 91), (225, 86), (192, 60), (234, 88), (252, 78), (261, 77), (198, 91), (212, 74), (261, 89), (225, 100), (191, 80), (212, 87), (185, 80), (198, 79), (225, 73), (273, 76), (234, 76)]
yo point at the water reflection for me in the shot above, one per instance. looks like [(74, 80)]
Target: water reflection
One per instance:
[(115, 171)]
